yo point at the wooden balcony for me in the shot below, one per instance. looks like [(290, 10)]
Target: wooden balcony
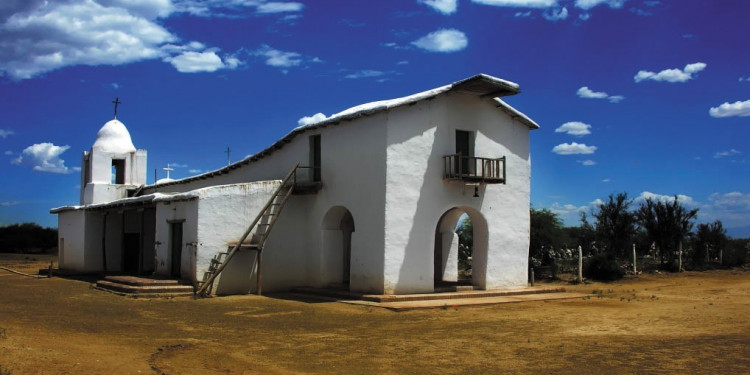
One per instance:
[(474, 169)]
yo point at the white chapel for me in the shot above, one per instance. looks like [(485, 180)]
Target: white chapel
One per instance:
[(365, 200)]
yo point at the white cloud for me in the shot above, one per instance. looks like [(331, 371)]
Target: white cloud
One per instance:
[(279, 7), (445, 7), (641, 12), (732, 208), (588, 4), (733, 200), (576, 128), (403, 62), (587, 163), (177, 165), (191, 46), (277, 58), (681, 198), (5, 133), (196, 62), (587, 93), (39, 37), (8, 152), (518, 3), (307, 120), (573, 149), (564, 209), (11, 203), (596, 202), (365, 74), (194, 171), (523, 14), (616, 98), (741, 109), (584, 16), (443, 40), (724, 154), (43, 157), (671, 75), (234, 8), (744, 79), (555, 15), (607, 180)]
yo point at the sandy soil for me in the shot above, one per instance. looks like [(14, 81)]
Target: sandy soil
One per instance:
[(664, 323)]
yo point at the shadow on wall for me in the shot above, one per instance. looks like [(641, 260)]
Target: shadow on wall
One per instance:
[(418, 264), (417, 268)]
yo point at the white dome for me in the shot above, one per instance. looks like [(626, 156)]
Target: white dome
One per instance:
[(114, 137)]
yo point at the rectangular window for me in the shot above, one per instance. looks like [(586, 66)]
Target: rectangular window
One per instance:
[(118, 171), (315, 157)]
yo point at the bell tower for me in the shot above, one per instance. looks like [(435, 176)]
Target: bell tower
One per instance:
[(113, 166)]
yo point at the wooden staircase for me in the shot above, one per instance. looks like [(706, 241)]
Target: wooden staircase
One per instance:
[(257, 232)]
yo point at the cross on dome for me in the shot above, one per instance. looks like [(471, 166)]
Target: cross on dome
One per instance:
[(116, 102)]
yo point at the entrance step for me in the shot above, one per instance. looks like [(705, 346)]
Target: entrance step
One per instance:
[(143, 287), (456, 294), (448, 287)]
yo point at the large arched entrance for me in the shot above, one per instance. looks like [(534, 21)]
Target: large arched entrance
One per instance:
[(461, 262), (337, 228)]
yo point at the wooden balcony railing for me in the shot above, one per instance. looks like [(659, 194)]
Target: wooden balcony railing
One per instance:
[(474, 169)]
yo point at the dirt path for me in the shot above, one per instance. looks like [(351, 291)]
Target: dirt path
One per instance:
[(687, 323)]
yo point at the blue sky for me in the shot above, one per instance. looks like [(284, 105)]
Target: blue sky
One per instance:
[(644, 96)]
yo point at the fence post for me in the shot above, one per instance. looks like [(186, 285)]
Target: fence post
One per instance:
[(580, 264), (531, 275), (679, 266), (635, 269)]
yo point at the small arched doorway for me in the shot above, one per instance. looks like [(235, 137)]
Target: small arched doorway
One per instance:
[(336, 248), (461, 261)]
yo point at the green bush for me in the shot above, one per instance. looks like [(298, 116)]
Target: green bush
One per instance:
[(603, 267)]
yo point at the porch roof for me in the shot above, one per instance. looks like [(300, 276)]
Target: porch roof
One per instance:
[(141, 201)]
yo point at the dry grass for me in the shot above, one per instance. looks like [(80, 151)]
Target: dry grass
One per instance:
[(686, 323)]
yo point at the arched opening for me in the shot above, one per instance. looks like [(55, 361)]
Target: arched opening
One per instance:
[(461, 249), (336, 254)]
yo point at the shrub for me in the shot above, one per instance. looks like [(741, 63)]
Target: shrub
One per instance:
[(603, 267), (735, 254)]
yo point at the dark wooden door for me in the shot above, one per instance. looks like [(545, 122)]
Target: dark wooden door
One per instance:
[(315, 157), (463, 147), (131, 252), (176, 249)]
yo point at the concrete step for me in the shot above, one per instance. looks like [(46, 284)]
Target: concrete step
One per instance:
[(344, 294), (141, 288), (455, 288), (142, 281)]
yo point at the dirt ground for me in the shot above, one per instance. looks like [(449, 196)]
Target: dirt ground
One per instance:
[(661, 323)]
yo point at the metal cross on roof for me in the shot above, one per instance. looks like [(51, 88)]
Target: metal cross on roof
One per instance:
[(116, 102), (168, 169)]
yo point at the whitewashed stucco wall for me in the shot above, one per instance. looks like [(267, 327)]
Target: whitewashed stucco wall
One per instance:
[(70, 229), (166, 213), (416, 195), (353, 174)]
